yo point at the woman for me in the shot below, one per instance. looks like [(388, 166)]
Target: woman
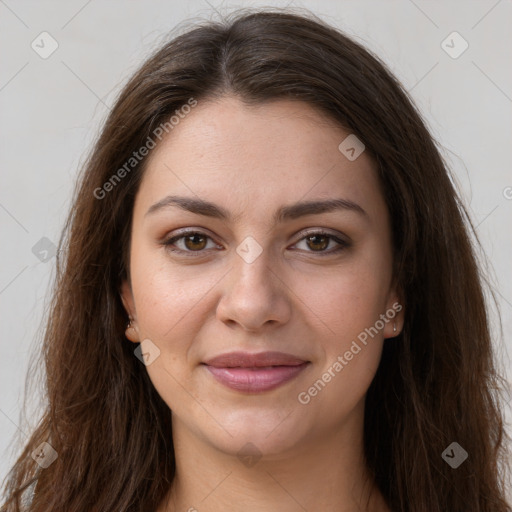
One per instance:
[(267, 297)]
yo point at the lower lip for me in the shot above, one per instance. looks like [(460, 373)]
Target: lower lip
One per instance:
[(257, 379)]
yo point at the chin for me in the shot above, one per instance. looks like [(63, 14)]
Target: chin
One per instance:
[(268, 433)]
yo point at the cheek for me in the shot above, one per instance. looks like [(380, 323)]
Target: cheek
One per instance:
[(346, 300), (349, 304), (168, 298), (348, 308), (171, 307)]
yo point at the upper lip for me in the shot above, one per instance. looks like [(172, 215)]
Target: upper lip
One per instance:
[(248, 360)]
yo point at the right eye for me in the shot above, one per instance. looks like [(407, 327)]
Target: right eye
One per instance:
[(192, 242)]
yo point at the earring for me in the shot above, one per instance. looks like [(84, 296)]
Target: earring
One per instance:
[(129, 326)]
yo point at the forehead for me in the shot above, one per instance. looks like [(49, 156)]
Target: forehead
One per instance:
[(251, 158)]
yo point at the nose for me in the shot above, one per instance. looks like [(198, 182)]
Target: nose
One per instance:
[(254, 296)]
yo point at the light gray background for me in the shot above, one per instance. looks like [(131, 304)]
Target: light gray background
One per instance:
[(51, 110)]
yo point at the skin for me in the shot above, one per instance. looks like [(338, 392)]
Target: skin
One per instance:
[(251, 161)]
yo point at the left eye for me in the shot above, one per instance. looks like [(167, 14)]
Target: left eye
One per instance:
[(196, 241), (320, 241)]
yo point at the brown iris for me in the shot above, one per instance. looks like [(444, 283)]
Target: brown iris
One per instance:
[(316, 244), (191, 241)]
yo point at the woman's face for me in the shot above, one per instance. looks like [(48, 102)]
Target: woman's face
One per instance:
[(262, 275)]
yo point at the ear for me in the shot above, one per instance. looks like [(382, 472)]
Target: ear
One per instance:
[(129, 305), (395, 313)]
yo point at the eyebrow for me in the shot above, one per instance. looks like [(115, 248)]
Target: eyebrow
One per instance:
[(287, 212)]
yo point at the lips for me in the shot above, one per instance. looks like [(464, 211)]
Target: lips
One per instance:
[(248, 360), (264, 371)]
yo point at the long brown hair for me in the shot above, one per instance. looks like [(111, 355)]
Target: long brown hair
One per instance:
[(437, 383)]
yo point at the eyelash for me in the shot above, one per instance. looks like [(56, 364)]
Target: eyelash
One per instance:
[(169, 242)]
